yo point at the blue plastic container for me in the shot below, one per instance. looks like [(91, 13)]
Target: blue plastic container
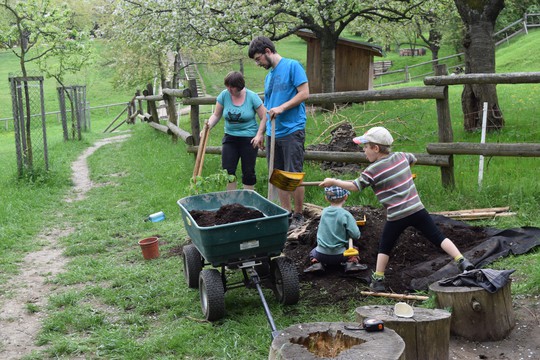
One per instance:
[(159, 216)]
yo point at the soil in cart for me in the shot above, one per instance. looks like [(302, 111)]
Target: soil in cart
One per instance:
[(226, 214)]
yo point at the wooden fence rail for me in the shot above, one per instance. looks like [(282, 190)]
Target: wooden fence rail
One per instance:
[(346, 157), (439, 154), (488, 149), (505, 78)]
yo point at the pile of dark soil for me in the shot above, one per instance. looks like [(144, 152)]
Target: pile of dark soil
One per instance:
[(341, 141), (411, 250), (225, 215)]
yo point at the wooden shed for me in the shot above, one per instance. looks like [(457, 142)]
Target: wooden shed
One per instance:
[(354, 63)]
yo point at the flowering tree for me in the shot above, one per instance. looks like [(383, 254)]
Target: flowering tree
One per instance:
[(36, 30), (145, 33), (161, 24), (241, 20)]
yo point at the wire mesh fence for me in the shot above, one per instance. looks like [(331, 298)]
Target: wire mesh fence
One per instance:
[(29, 124), (73, 111)]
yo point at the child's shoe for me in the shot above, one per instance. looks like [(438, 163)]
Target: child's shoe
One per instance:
[(464, 265), (353, 267), (296, 221), (377, 284), (315, 267)]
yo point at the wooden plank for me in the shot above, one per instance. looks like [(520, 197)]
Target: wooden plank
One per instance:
[(480, 216), (469, 211), (476, 214)]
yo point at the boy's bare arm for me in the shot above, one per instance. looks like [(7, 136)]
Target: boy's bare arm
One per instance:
[(345, 184)]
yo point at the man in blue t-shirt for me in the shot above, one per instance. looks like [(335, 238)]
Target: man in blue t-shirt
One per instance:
[(285, 90)]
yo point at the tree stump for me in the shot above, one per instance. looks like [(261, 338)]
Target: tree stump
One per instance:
[(476, 313), (335, 340), (426, 334)]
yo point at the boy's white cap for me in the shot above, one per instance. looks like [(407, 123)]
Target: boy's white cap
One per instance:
[(376, 135)]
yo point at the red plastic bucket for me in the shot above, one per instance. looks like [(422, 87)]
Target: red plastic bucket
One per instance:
[(150, 248)]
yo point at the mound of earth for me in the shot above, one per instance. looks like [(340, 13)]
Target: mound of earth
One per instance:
[(411, 250), (341, 141)]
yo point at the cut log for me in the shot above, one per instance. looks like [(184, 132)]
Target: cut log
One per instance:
[(477, 314), (337, 340), (426, 334)]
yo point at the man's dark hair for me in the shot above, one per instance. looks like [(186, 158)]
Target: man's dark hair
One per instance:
[(235, 79), (259, 45)]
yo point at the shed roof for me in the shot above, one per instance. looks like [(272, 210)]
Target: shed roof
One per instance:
[(376, 49)]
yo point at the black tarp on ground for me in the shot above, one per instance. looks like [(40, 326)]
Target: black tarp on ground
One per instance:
[(500, 243)]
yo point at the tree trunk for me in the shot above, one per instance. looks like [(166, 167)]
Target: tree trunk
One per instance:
[(434, 42), (328, 66), (479, 18), (176, 69)]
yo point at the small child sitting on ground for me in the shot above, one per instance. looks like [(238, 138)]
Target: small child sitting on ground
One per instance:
[(336, 226)]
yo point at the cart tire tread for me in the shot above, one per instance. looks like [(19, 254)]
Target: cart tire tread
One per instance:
[(193, 265), (212, 293), (286, 282)]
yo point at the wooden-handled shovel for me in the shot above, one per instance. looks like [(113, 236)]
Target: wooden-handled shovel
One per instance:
[(272, 190), (197, 170)]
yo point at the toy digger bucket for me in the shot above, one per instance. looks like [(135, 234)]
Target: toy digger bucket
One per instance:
[(361, 222), (289, 181)]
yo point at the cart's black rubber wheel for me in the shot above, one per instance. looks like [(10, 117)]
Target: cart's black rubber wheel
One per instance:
[(212, 294), (193, 265), (285, 278)]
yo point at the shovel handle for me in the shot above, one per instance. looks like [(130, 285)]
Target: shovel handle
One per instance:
[(197, 170), (310, 183), (351, 251)]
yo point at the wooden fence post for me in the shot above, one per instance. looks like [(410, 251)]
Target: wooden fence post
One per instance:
[(140, 111), (445, 130), (171, 112), (407, 77), (152, 110), (194, 113)]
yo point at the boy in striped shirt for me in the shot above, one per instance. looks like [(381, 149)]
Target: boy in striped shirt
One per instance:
[(391, 179)]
